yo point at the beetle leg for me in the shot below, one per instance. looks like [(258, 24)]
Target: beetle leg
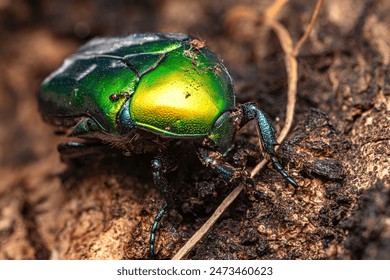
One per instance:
[(153, 230), (216, 161), (267, 136), (75, 150), (161, 165), (85, 127)]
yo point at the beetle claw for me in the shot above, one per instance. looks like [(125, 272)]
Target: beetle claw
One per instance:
[(279, 168)]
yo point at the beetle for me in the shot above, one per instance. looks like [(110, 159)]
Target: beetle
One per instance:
[(147, 93)]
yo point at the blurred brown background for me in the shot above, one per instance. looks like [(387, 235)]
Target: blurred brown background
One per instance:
[(338, 150)]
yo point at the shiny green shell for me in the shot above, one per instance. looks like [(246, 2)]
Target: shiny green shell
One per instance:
[(174, 85)]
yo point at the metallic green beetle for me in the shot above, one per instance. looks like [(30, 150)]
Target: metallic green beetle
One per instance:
[(142, 93)]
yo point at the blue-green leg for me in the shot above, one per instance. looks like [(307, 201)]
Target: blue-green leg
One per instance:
[(162, 164), (153, 230), (279, 168), (267, 136)]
